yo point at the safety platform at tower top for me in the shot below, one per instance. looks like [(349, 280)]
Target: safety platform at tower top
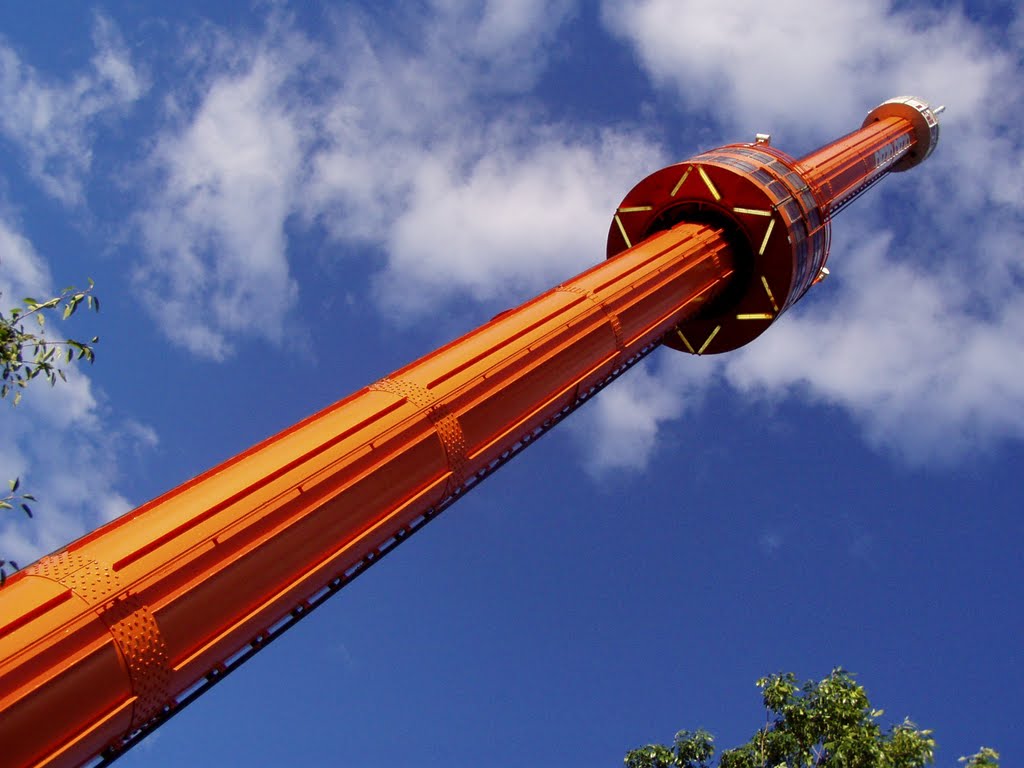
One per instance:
[(774, 209)]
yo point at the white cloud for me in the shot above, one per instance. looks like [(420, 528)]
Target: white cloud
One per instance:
[(807, 67), (392, 143), (215, 262), (53, 123), (22, 272), (903, 350), (920, 332), (59, 440), (395, 104), (66, 457), (55, 439), (427, 151), (510, 41), (347, 153), (466, 190), (519, 220), (620, 429)]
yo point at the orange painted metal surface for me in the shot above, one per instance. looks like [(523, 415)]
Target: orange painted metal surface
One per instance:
[(99, 640), (843, 167), (775, 209), (767, 208)]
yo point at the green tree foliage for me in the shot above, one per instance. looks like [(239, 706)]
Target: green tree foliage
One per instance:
[(27, 353), (826, 724), (14, 497), (984, 758)]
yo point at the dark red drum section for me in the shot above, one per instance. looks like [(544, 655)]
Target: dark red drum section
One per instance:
[(772, 217)]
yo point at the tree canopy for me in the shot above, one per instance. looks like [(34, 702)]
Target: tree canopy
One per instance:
[(27, 353), (824, 724)]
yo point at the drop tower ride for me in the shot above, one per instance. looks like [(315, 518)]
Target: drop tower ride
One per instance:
[(105, 639)]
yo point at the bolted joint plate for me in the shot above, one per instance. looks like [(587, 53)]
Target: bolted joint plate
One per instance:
[(773, 219)]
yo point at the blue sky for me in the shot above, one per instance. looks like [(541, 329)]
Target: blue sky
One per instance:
[(283, 202)]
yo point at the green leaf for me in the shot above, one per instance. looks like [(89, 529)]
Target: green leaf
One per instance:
[(826, 724), (14, 484)]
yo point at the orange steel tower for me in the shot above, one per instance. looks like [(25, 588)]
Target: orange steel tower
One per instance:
[(102, 641)]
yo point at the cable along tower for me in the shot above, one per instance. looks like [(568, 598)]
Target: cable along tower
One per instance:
[(104, 640)]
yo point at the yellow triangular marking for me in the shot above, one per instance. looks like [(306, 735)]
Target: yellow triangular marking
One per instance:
[(707, 180), (622, 229), (708, 340), (771, 298), (679, 184), (764, 243), (686, 343)]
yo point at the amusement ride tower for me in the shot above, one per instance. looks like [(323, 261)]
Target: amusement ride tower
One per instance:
[(105, 639)]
